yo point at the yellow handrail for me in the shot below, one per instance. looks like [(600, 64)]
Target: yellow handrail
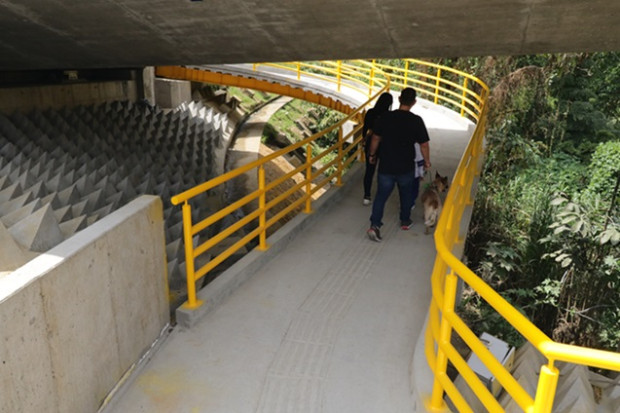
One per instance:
[(467, 95)]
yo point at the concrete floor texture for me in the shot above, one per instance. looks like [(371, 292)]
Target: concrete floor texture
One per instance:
[(329, 324)]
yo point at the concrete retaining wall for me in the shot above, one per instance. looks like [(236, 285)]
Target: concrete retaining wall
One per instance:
[(58, 96), (75, 319)]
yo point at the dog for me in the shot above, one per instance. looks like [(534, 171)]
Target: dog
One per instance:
[(432, 201)]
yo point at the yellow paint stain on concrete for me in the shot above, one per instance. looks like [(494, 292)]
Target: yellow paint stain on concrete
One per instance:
[(170, 389)]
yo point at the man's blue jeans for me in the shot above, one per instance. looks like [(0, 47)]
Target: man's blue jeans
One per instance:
[(385, 185)]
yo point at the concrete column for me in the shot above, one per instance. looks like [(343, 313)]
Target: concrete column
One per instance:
[(148, 84)]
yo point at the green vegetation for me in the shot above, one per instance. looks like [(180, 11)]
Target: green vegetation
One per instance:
[(249, 99), (546, 228), (297, 115)]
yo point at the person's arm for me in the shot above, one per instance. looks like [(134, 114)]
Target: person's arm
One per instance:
[(374, 146), (424, 148)]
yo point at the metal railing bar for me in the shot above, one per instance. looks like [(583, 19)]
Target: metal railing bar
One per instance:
[(275, 201), (286, 210), (472, 379), (273, 184), (226, 253), (225, 233), (503, 376), (213, 218), (454, 394)]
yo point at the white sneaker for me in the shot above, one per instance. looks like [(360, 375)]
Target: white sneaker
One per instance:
[(366, 201)]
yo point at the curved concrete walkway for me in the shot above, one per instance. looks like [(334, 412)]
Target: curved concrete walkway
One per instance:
[(328, 323)]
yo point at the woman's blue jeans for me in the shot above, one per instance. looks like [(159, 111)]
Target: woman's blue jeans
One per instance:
[(385, 185)]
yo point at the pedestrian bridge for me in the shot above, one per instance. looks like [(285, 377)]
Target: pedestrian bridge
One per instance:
[(328, 323), (317, 318)]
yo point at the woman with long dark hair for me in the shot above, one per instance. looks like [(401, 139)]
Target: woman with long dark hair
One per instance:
[(383, 104)]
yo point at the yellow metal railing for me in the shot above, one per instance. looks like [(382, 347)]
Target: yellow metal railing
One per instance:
[(440, 84), (443, 321)]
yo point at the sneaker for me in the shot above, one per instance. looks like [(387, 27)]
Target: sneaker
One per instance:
[(366, 201), (374, 234), (406, 225)]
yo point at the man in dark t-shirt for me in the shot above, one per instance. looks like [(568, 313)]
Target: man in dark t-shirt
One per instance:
[(397, 132)]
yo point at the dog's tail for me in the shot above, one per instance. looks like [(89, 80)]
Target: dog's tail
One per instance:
[(430, 217)]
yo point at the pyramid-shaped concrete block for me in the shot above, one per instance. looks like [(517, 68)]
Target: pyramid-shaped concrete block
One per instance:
[(7, 150), (174, 272), (70, 227), (19, 158), (82, 170), (176, 231), (69, 195), (91, 219), (53, 199), (12, 255), (56, 183), (16, 203), (4, 182), (175, 250), (63, 214), (10, 192), (39, 231), (127, 188), (44, 175), (37, 190), (26, 179), (115, 200), (84, 184), (68, 177), (13, 217), (36, 169), (94, 199), (147, 186), (80, 208), (103, 211)]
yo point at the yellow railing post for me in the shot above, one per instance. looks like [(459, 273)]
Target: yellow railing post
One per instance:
[(547, 384), (445, 331), (192, 302), (339, 175), (406, 73), (262, 218), (339, 75), (308, 209), (437, 83), (464, 96), (371, 81)]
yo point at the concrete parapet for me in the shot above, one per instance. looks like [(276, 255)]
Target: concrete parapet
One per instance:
[(76, 318)]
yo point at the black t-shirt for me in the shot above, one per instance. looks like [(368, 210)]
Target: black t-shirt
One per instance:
[(400, 130), (369, 120)]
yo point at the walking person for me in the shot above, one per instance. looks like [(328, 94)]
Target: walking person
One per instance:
[(397, 132), (383, 105)]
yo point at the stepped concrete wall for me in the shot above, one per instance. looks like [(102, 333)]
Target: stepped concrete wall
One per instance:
[(63, 170), (77, 317)]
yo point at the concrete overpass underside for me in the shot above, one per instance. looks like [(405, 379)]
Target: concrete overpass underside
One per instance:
[(43, 34)]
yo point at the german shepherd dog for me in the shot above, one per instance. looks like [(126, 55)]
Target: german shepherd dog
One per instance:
[(432, 201)]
